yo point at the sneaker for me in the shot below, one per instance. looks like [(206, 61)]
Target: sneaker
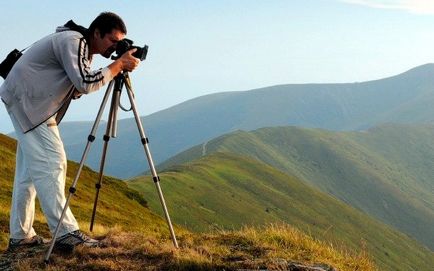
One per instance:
[(70, 240), (15, 244)]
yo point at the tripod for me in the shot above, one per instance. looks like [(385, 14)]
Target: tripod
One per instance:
[(117, 84)]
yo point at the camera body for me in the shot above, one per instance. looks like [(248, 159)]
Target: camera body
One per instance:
[(126, 44)]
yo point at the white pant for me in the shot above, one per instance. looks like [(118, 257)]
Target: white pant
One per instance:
[(40, 170)]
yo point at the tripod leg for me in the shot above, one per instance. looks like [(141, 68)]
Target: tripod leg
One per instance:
[(72, 189), (155, 177), (100, 177), (106, 138)]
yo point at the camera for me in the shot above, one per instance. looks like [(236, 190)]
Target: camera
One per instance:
[(125, 45)]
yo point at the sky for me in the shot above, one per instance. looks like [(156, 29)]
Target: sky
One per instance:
[(202, 47)]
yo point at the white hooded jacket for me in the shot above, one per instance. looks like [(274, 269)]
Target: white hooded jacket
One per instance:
[(43, 81)]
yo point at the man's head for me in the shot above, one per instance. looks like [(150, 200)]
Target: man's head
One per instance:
[(104, 32)]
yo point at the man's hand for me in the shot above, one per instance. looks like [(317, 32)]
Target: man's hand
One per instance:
[(76, 95), (129, 62), (126, 62)]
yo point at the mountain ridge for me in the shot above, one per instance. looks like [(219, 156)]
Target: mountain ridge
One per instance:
[(404, 98), (374, 172)]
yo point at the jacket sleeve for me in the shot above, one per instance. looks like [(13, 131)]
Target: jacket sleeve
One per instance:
[(72, 53)]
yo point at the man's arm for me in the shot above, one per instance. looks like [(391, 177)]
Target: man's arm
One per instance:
[(73, 55)]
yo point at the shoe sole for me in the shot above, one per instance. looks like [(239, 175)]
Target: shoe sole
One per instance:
[(64, 248)]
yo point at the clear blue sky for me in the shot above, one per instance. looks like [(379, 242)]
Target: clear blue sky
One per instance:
[(202, 47)]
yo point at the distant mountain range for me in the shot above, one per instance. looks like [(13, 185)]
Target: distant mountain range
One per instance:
[(387, 171), (405, 98)]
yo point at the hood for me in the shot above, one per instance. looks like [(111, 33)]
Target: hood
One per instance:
[(70, 25)]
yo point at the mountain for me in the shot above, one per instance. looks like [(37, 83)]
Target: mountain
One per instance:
[(385, 171), (134, 238), (404, 98), (225, 191)]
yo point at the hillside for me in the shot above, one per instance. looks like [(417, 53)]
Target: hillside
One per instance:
[(118, 205), (223, 190), (404, 98), (386, 171), (136, 239)]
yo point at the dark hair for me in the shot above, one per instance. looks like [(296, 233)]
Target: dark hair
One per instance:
[(106, 22)]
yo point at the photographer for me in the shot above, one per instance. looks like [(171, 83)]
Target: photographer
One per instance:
[(37, 92)]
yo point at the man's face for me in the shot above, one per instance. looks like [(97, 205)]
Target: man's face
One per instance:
[(107, 45)]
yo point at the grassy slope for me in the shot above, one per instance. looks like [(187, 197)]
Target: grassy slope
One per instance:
[(118, 205), (226, 190), (137, 239), (386, 172), (275, 247)]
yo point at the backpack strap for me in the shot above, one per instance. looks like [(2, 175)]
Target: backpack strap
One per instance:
[(75, 27)]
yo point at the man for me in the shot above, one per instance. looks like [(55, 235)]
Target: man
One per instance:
[(37, 93)]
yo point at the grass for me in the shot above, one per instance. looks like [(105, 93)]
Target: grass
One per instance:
[(228, 191), (272, 247), (135, 238), (117, 205)]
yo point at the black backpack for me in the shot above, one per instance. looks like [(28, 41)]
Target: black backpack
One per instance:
[(8, 63), (14, 55)]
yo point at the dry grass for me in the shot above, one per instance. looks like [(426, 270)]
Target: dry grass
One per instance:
[(273, 247)]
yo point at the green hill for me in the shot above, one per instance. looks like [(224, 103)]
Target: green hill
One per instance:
[(134, 238), (223, 190), (386, 172), (118, 204)]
